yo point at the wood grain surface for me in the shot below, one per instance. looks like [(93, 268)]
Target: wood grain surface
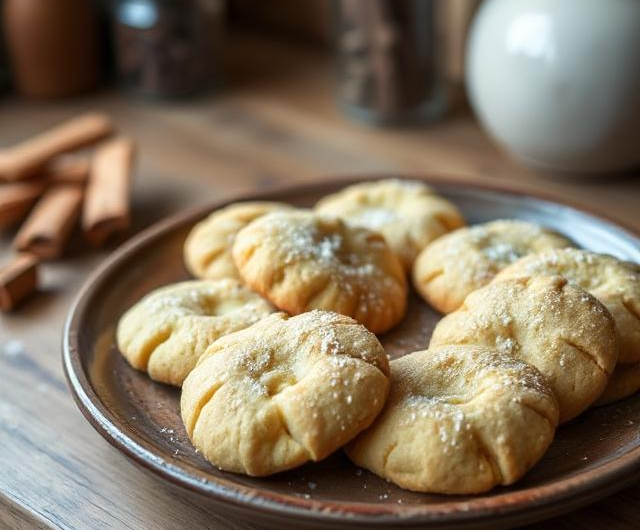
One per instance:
[(276, 124)]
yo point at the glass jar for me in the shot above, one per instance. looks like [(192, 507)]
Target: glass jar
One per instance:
[(390, 60), (168, 48)]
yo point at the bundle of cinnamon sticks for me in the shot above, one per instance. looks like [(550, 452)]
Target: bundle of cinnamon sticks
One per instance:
[(50, 183)]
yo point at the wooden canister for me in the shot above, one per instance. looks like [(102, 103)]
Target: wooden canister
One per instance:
[(52, 46)]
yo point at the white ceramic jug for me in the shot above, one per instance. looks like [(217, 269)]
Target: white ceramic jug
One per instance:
[(557, 82)]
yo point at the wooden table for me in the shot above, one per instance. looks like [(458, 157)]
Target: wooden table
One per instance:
[(276, 124)]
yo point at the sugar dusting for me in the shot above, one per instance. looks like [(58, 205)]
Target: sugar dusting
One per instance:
[(285, 351), (501, 252), (353, 260), (227, 305), (375, 218), (475, 254), (505, 241), (441, 390)]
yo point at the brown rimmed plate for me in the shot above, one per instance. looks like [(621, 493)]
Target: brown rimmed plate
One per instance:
[(591, 457)]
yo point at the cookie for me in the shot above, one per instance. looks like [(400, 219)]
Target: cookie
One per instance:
[(543, 320), (284, 391), (207, 249), (302, 261), (614, 282), (457, 264), (165, 333), (459, 420), (624, 382), (409, 214)]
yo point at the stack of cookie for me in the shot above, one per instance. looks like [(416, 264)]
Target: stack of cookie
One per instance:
[(275, 347)]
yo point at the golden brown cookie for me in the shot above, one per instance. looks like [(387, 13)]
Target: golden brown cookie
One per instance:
[(624, 382), (456, 264), (301, 261), (207, 249), (165, 333), (284, 391), (408, 213), (560, 329), (459, 419), (614, 282)]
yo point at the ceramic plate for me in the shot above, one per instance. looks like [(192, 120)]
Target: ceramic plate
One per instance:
[(591, 456)]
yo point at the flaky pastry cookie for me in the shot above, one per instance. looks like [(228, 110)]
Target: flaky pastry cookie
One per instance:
[(408, 213), (459, 419), (165, 333), (560, 329), (207, 249), (301, 261), (614, 282), (284, 391), (456, 264)]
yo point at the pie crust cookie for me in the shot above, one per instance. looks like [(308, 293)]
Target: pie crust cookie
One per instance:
[(284, 391), (207, 249), (456, 264), (614, 282), (543, 320), (301, 261), (165, 333), (459, 420), (408, 213)]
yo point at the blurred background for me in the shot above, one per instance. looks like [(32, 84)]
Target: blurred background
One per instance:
[(222, 96)]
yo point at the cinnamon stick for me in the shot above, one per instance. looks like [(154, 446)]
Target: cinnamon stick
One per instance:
[(16, 199), (18, 279), (106, 207), (67, 170), (26, 158), (48, 227)]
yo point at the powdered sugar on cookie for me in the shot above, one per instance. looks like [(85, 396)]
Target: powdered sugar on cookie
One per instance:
[(301, 261)]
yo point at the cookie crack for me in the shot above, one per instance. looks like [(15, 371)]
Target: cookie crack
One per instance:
[(153, 346), (243, 256), (287, 431), (211, 256), (202, 403), (277, 278), (489, 456), (538, 412), (431, 276), (387, 454), (319, 290), (585, 353)]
